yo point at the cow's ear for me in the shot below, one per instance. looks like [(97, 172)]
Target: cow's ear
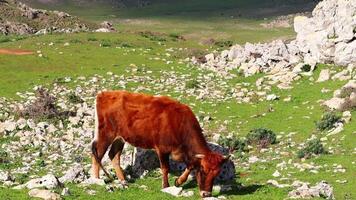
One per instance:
[(199, 156)]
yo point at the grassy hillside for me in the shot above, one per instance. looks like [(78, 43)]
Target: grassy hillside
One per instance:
[(86, 54)]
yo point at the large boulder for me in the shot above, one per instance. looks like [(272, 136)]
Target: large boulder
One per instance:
[(145, 160)]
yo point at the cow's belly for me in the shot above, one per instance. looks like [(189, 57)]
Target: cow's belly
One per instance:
[(177, 155)]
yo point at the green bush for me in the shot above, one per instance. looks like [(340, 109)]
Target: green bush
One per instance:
[(105, 43), (73, 98), (234, 144), (153, 36), (261, 137), (306, 68), (224, 43), (313, 147), (4, 39), (328, 121), (192, 84), (92, 39)]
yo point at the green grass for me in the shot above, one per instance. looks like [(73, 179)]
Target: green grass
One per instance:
[(97, 53)]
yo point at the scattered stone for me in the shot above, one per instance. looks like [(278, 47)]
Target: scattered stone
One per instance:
[(74, 174), (175, 191), (324, 75), (276, 174), (49, 182), (44, 194), (65, 192), (322, 189)]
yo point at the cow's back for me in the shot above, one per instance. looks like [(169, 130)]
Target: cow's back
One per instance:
[(145, 121)]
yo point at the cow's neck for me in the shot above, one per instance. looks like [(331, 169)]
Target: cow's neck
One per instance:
[(197, 145)]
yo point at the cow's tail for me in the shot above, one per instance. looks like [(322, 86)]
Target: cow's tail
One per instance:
[(94, 143)]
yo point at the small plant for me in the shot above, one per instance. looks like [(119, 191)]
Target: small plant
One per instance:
[(347, 91), (73, 98), (328, 121), (233, 143), (43, 107), (192, 84), (75, 41), (261, 137), (224, 43), (4, 158), (4, 39), (105, 43), (313, 147), (176, 36), (153, 36), (306, 68), (126, 45), (92, 39)]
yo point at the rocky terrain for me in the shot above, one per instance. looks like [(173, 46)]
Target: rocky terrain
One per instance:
[(326, 37), (18, 18), (46, 132)]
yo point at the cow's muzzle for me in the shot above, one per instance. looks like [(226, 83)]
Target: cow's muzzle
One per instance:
[(204, 194)]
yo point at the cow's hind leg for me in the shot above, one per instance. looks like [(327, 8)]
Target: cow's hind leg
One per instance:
[(114, 154), (183, 178), (164, 161), (98, 151)]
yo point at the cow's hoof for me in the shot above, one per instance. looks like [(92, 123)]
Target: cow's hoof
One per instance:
[(176, 183)]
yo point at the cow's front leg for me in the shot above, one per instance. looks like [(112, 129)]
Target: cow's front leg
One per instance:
[(164, 162), (183, 178)]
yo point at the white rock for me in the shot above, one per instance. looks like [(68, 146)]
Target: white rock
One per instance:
[(44, 194), (335, 103), (175, 191), (49, 182), (276, 174), (324, 75)]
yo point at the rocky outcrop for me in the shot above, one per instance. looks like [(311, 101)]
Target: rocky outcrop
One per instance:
[(327, 37), (19, 18), (7, 28)]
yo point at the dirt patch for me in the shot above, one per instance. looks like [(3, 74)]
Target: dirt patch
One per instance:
[(15, 52)]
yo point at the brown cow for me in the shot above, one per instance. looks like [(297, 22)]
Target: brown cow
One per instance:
[(159, 123)]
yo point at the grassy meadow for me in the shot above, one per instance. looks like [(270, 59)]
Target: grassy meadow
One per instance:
[(147, 40)]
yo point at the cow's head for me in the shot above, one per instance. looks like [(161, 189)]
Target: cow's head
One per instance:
[(210, 165)]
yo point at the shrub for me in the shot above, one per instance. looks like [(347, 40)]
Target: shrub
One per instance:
[(43, 107), (176, 36), (75, 41), (234, 144), (4, 39), (346, 92), (224, 43), (153, 36), (313, 147), (73, 98), (262, 137), (126, 45), (105, 43), (306, 68), (92, 39), (192, 84), (328, 121)]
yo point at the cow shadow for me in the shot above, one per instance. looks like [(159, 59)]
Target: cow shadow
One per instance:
[(236, 188)]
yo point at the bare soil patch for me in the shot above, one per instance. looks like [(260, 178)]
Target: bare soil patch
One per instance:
[(15, 52)]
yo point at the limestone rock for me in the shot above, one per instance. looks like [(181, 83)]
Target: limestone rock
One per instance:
[(175, 191), (324, 75), (44, 194)]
